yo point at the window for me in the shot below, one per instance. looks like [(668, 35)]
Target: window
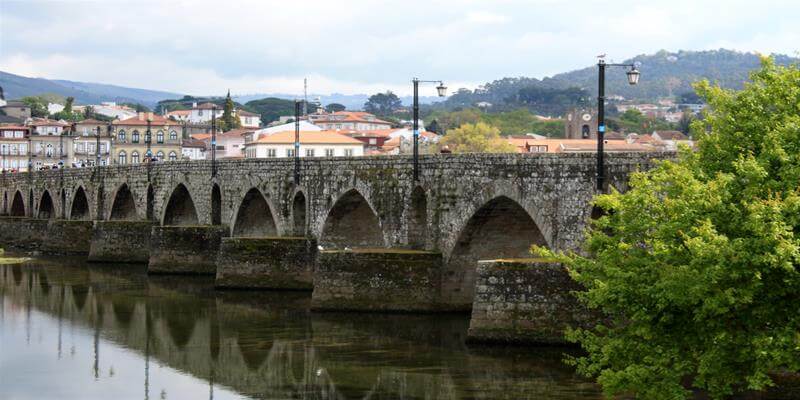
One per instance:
[(135, 138), (348, 152), (309, 152), (289, 153), (160, 156), (134, 157), (173, 135), (160, 137), (121, 136), (49, 151), (122, 158), (373, 141), (172, 156), (271, 153), (103, 148), (328, 152)]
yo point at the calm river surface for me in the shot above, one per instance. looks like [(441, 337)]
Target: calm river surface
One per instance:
[(72, 331)]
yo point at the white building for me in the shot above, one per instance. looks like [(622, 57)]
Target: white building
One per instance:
[(203, 112), (111, 109), (193, 149), (53, 108), (312, 144), (304, 126), (248, 119), (349, 120)]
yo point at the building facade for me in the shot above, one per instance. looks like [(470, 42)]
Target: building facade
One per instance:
[(312, 144), (348, 120), (51, 143), (87, 142), (248, 119), (581, 124), (14, 148), (130, 139)]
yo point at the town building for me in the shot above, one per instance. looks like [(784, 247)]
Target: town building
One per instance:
[(110, 109), (179, 115), (203, 113), (401, 141), (312, 144), (130, 139), (526, 145), (51, 143), (248, 119), (581, 124), (672, 139), (14, 143), (348, 120), (16, 109), (229, 144), (193, 149), (87, 140)]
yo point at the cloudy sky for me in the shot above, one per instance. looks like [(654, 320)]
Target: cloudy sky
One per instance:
[(355, 46)]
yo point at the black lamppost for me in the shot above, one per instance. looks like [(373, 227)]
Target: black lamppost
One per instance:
[(97, 146), (147, 139), (109, 130), (633, 78), (442, 91), (213, 140), (297, 108)]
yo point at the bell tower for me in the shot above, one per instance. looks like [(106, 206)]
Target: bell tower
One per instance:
[(581, 124)]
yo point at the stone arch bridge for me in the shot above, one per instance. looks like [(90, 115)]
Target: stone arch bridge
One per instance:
[(381, 234)]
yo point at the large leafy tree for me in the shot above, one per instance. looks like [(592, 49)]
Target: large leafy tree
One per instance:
[(229, 118), (382, 103), (476, 138), (37, 105), (696, 266)]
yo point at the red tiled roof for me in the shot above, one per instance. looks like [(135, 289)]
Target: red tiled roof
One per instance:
[(317, 137), (141, 120)]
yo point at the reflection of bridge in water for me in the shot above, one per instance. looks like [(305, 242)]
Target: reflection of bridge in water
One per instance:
[(270, 346)]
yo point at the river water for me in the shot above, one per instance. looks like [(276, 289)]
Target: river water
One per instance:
[(69, 330)]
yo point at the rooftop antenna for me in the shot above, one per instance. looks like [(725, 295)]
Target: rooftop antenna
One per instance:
[(305, 96)]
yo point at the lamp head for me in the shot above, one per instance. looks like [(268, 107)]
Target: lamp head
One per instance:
[(633, 76), (441, 89)]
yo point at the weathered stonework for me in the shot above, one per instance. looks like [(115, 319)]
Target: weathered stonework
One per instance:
[(525, 301), (377, 280), (266, 263), (184, 249), (68, 237), (22, 233), (120, 242)]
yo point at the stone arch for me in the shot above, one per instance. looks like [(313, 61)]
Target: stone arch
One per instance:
[(254, 217), (216, 205), (299, 214), (124, 206), (18, 205), (63, 204), (501, 228), (46, 209), (418, 218), (80, 205), (151, 198), (352, 222), (180, 209)]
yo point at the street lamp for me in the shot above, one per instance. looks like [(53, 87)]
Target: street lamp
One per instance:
[(147, 139), (633, 79), (441, 90), (297, 107), (214, 140), (97, 147)]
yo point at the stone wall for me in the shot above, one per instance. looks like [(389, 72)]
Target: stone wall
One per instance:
[(68, 237), (266, 263), (22, 233), (185, 249), (525, 301), (377, 280), (120, 242)]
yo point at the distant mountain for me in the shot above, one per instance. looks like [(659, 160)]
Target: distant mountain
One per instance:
[(663, 74), (351, 101), (16, 86)]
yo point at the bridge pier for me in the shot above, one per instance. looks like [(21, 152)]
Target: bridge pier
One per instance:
[(120, 242), (23, 232), (378, 280), (266, 263), (68, 237), (525, 301), (184, 249)]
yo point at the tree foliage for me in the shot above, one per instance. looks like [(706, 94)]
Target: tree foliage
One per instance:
[(383, 104), (514, 122), (335, 107), (271, 108), (476, 138), (229, 118), (37, 105), (696, 266)]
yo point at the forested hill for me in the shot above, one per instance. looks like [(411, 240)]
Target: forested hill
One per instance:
[(664, 74)]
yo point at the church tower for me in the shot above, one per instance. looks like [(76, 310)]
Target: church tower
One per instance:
[(581, 124)]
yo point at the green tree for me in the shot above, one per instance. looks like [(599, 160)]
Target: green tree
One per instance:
[(476, 138), (229, 118), (382, 103), (37, 106), (696, 265), (335, 107), (68, 105)]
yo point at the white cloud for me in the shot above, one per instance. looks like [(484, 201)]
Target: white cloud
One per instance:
[(347, 46)]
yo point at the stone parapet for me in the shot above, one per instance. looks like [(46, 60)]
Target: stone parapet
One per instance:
[(120, 242), (266, 263), (377, 280), (525, 301), (185, 249)]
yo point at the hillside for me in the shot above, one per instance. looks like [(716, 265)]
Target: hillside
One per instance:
[(16, 86), (664, 74)]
